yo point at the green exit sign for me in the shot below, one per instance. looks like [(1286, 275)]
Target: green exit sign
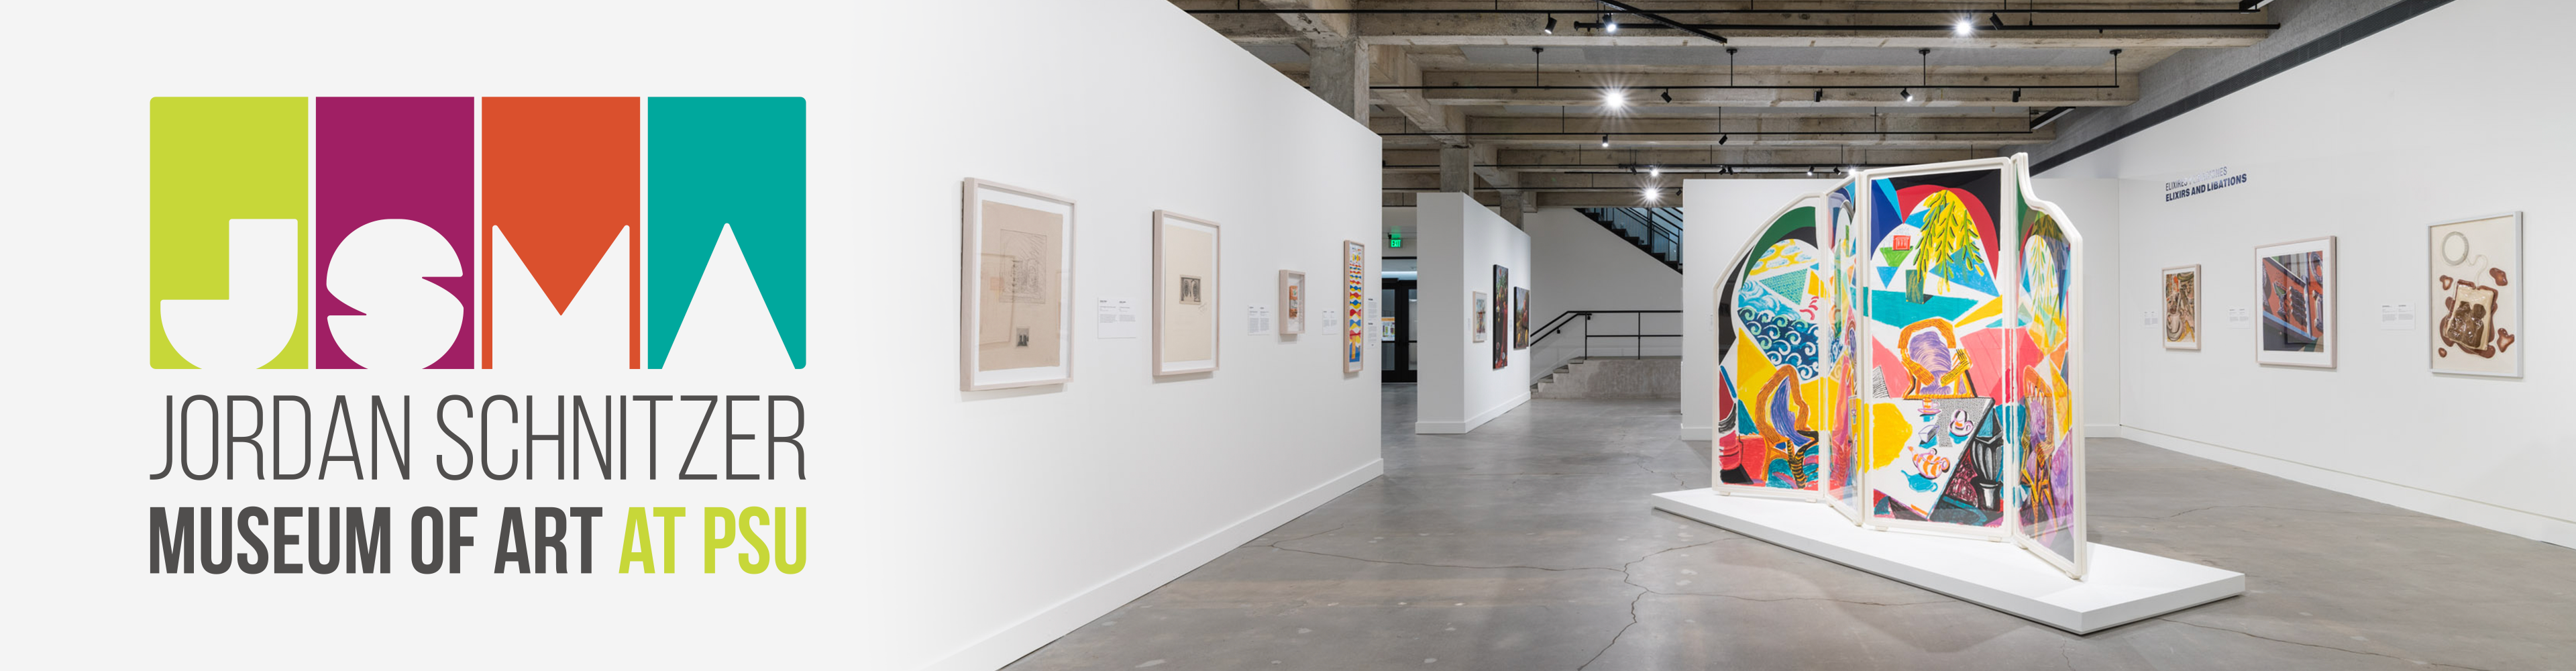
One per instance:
[(1394, 240)]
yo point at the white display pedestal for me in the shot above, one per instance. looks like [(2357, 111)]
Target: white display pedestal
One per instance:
[(2122, 587)]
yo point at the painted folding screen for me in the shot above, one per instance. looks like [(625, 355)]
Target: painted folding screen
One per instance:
[(1843, 337), (1938, 329), (1772, 391), (2049, 501), (1906, 345)]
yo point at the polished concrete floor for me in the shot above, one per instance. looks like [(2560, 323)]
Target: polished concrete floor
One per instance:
[(1528, 544)]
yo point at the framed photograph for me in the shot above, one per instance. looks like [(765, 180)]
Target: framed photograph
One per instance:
[(1185, 294), (2474, 274), (1502, 317), (2295, 292), (1520, 318), (1476, 316), (1015, 321), (2182, 307), (1292, 302), (1354, 306)]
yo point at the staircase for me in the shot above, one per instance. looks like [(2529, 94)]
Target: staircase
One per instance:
[(1657, 231), (1619, 377)]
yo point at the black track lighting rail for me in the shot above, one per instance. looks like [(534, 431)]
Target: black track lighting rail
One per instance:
[(1711, 87), (1941, 12), (2064, 27), (1625, 168), (1714, 132)]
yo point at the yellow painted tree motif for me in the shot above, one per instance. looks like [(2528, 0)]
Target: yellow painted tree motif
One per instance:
[(1949, 240)]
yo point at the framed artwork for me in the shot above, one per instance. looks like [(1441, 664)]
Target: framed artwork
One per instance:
[(1292, 302), (1185, 294), (1015, 322), (1476, 316), (2182, 307), (1520, 318), (2295, 292), (2474, 274), (1502, 317), (1354, 305)]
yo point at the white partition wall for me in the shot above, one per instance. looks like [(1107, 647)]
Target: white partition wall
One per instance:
[(1461, 388), (2308, 153), (1061, 502)]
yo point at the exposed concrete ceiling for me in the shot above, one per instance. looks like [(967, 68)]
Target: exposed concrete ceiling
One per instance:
[(1816, 83)]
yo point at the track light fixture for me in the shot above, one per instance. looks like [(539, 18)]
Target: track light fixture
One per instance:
[(2016, 95), (1820, 95), (1605, 141), (1996, 21), (1721, 138), (1653, 171), (1609, 24), (1614, 98), (1550, 28), (1668, 95), (1964, 27), (1908, 93), (1650, 194), (1811, 171)]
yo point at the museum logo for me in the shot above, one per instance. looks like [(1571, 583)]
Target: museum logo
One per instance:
[(464, 232)]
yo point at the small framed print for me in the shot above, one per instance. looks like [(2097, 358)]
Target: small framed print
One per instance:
[(2295, 297), (1186, 291), (1292, 302), (2474, 276), (1476, 315), (1015, 323), (2182, 307)]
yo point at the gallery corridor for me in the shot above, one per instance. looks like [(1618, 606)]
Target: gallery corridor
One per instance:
[(1529, 544)]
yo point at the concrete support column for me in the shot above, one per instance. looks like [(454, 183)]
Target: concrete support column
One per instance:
[(1457, 170), (1340, 75)]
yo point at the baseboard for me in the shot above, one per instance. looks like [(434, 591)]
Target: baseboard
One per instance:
[(1472, 422), (1698, 433), (1020, 638), (2102, 431), (2530, 525)]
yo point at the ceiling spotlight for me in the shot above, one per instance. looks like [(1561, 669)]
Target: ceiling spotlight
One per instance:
[(1614, 98), (2016, 95), (1668, 95), (1811, 171), (1550, 28), (1605, 140), (1849, 169), (1650, 194), (1654, 171), (2251, 5), (1996, 21), (1820, 95), (1964, 26), (1609, 24), (1908, 93), (1721, 138)]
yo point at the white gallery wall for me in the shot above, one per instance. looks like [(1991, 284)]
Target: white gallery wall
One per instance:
[(2343, 146), (1460, 387), (1724, 214), (1000, 520), (1590, 268)]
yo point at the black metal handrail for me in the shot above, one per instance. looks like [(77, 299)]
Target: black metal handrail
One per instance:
[(1649, 226), (1567, 318)]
